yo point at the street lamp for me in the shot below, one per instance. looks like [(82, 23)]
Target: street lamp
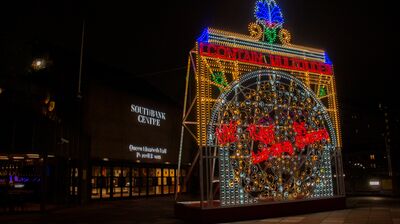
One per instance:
[(39, 64)]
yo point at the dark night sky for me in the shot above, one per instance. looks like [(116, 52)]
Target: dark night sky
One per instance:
[(152, 39)]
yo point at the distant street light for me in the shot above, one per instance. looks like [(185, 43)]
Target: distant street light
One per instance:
[(39, 64), (1, 90), (51, 106)]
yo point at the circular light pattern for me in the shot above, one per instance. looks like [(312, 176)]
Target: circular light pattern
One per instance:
[(284, 36), (255, 30), (278, 135)]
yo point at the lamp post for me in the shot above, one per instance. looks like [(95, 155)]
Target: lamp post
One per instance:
[(48, 119), (83, 151), (37, 65)]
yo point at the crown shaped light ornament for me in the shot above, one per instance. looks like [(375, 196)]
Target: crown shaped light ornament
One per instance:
[(269, 23)]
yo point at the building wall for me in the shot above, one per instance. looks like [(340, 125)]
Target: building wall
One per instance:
[(122, 126)]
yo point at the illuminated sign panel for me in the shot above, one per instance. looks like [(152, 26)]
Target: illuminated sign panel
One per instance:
[(146, 152), (259, 58)]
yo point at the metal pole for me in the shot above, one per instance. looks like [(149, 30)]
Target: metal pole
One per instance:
[(207, 169), (84, 160), (182, 131), (81, 60), (214, 160), (200, 142), (201, 176), (335, 154), (44, 173), (340, 161)]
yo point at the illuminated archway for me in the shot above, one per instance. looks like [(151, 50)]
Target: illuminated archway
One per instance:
[(274, 138)]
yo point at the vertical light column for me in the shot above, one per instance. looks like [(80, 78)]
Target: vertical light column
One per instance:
[(336, 110)]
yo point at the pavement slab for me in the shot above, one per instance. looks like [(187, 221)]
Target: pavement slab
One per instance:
[(161, 211)]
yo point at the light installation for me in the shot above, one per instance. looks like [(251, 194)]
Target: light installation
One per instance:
[(265, 115), (270, 18)]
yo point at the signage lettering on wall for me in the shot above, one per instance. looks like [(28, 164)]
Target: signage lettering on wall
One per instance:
[(148, 116), (146, 152)]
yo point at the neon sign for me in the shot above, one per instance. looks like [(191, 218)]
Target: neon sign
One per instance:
[(260, 58), (146, 152)]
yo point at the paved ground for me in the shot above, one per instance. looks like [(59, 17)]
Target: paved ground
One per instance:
[(154, 210), (160, 210), (374, 210)]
